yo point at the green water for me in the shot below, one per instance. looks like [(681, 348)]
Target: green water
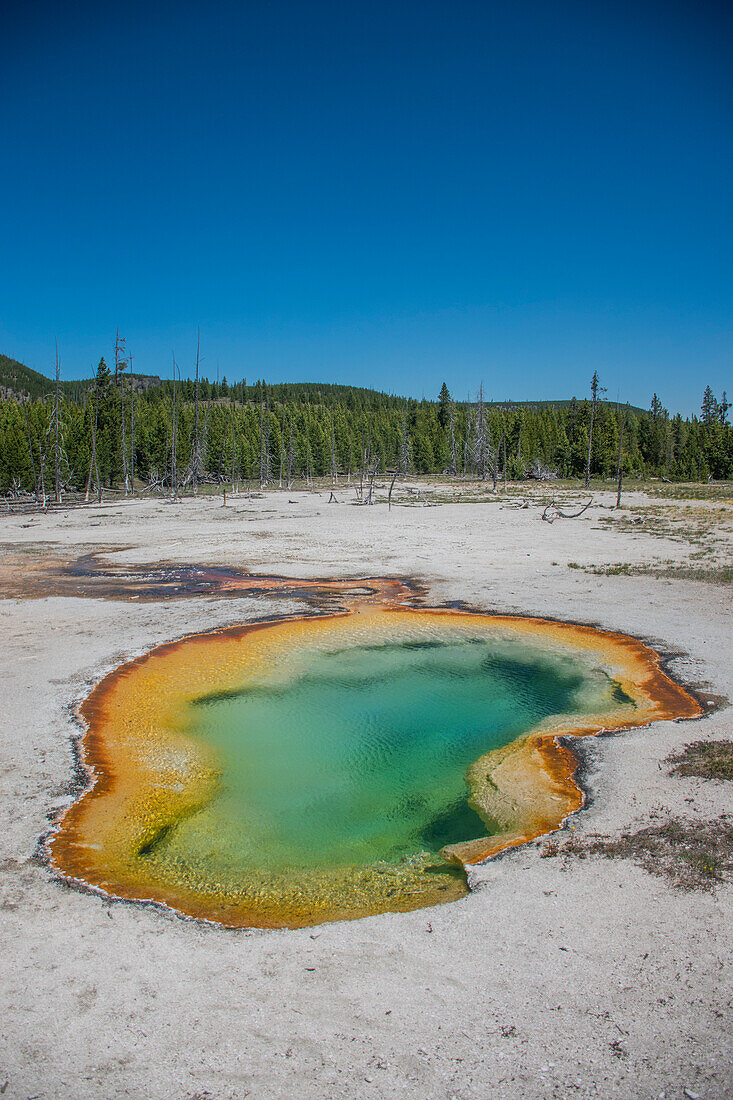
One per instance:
[(361, 756)]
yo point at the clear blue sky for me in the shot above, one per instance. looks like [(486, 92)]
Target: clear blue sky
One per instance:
[(378, 193)]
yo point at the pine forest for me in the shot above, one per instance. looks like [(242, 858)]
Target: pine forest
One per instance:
[(129, 432)]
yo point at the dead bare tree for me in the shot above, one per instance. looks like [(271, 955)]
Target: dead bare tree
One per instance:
[(155, 481), (495, 464), (174, 439), (196, 415), (334, 473), (391, 487), (290, 462), (52, 444), (405, 448), (264, 444), (120, 366), (234, 448), (42, 456), (482, 439), (540, 472), (196, 470), (360, 490), (619, 470), (56, 431), (30, 450), (595, 389), (403, 462), (308, 462), (372, 473), (453, 468), (132, 430), (467, 440), (93, 465)]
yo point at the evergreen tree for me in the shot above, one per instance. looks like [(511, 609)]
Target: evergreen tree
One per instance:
[(291, 430), (444, 403), (709, 408)]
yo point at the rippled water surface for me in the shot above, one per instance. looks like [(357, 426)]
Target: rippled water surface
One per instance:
[(359, 755)]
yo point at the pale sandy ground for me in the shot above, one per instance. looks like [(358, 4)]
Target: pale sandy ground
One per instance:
[(591, 979)]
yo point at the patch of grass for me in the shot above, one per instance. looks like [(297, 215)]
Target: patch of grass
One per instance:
[(706, 759), (704, 530), (708, 574), (722, 491), (691, 854), (697, 526)]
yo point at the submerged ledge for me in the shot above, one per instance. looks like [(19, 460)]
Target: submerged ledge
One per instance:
[(146, 775)]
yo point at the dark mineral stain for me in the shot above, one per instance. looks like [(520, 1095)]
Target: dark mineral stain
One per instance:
[(39, 571), (458, 823), (620, 696), (159, 837)]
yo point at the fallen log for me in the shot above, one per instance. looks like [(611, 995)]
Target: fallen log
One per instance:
[(552, 512)]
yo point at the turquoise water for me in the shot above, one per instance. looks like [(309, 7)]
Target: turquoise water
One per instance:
[(360, 757)]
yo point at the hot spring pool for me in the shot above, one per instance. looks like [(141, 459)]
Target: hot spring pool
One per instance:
[(333, 767)]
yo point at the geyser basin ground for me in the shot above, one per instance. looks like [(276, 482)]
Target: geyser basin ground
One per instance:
[(317, 769)]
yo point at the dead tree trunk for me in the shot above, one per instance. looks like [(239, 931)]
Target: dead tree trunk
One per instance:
[(361, 471), (595, 389), (404, 463), (196, 457), (233, 449), (308, 466), (552, 512), (93, 465), (290, 464), (391, 487), (30, 451), (42, 455), (619, 471), (94, 447), (88, 485), (174, 441), (467, 441), (132, 431), (495, 466), (481, 444), (372, 475), (56, 433), (264, 446), (334, 474), (120, 365), (453, 468)]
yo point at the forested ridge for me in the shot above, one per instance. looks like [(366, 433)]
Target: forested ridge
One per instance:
[(122, 430)]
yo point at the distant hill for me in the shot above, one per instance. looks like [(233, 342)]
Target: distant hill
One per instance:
[(556, 404), (18, 380)]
